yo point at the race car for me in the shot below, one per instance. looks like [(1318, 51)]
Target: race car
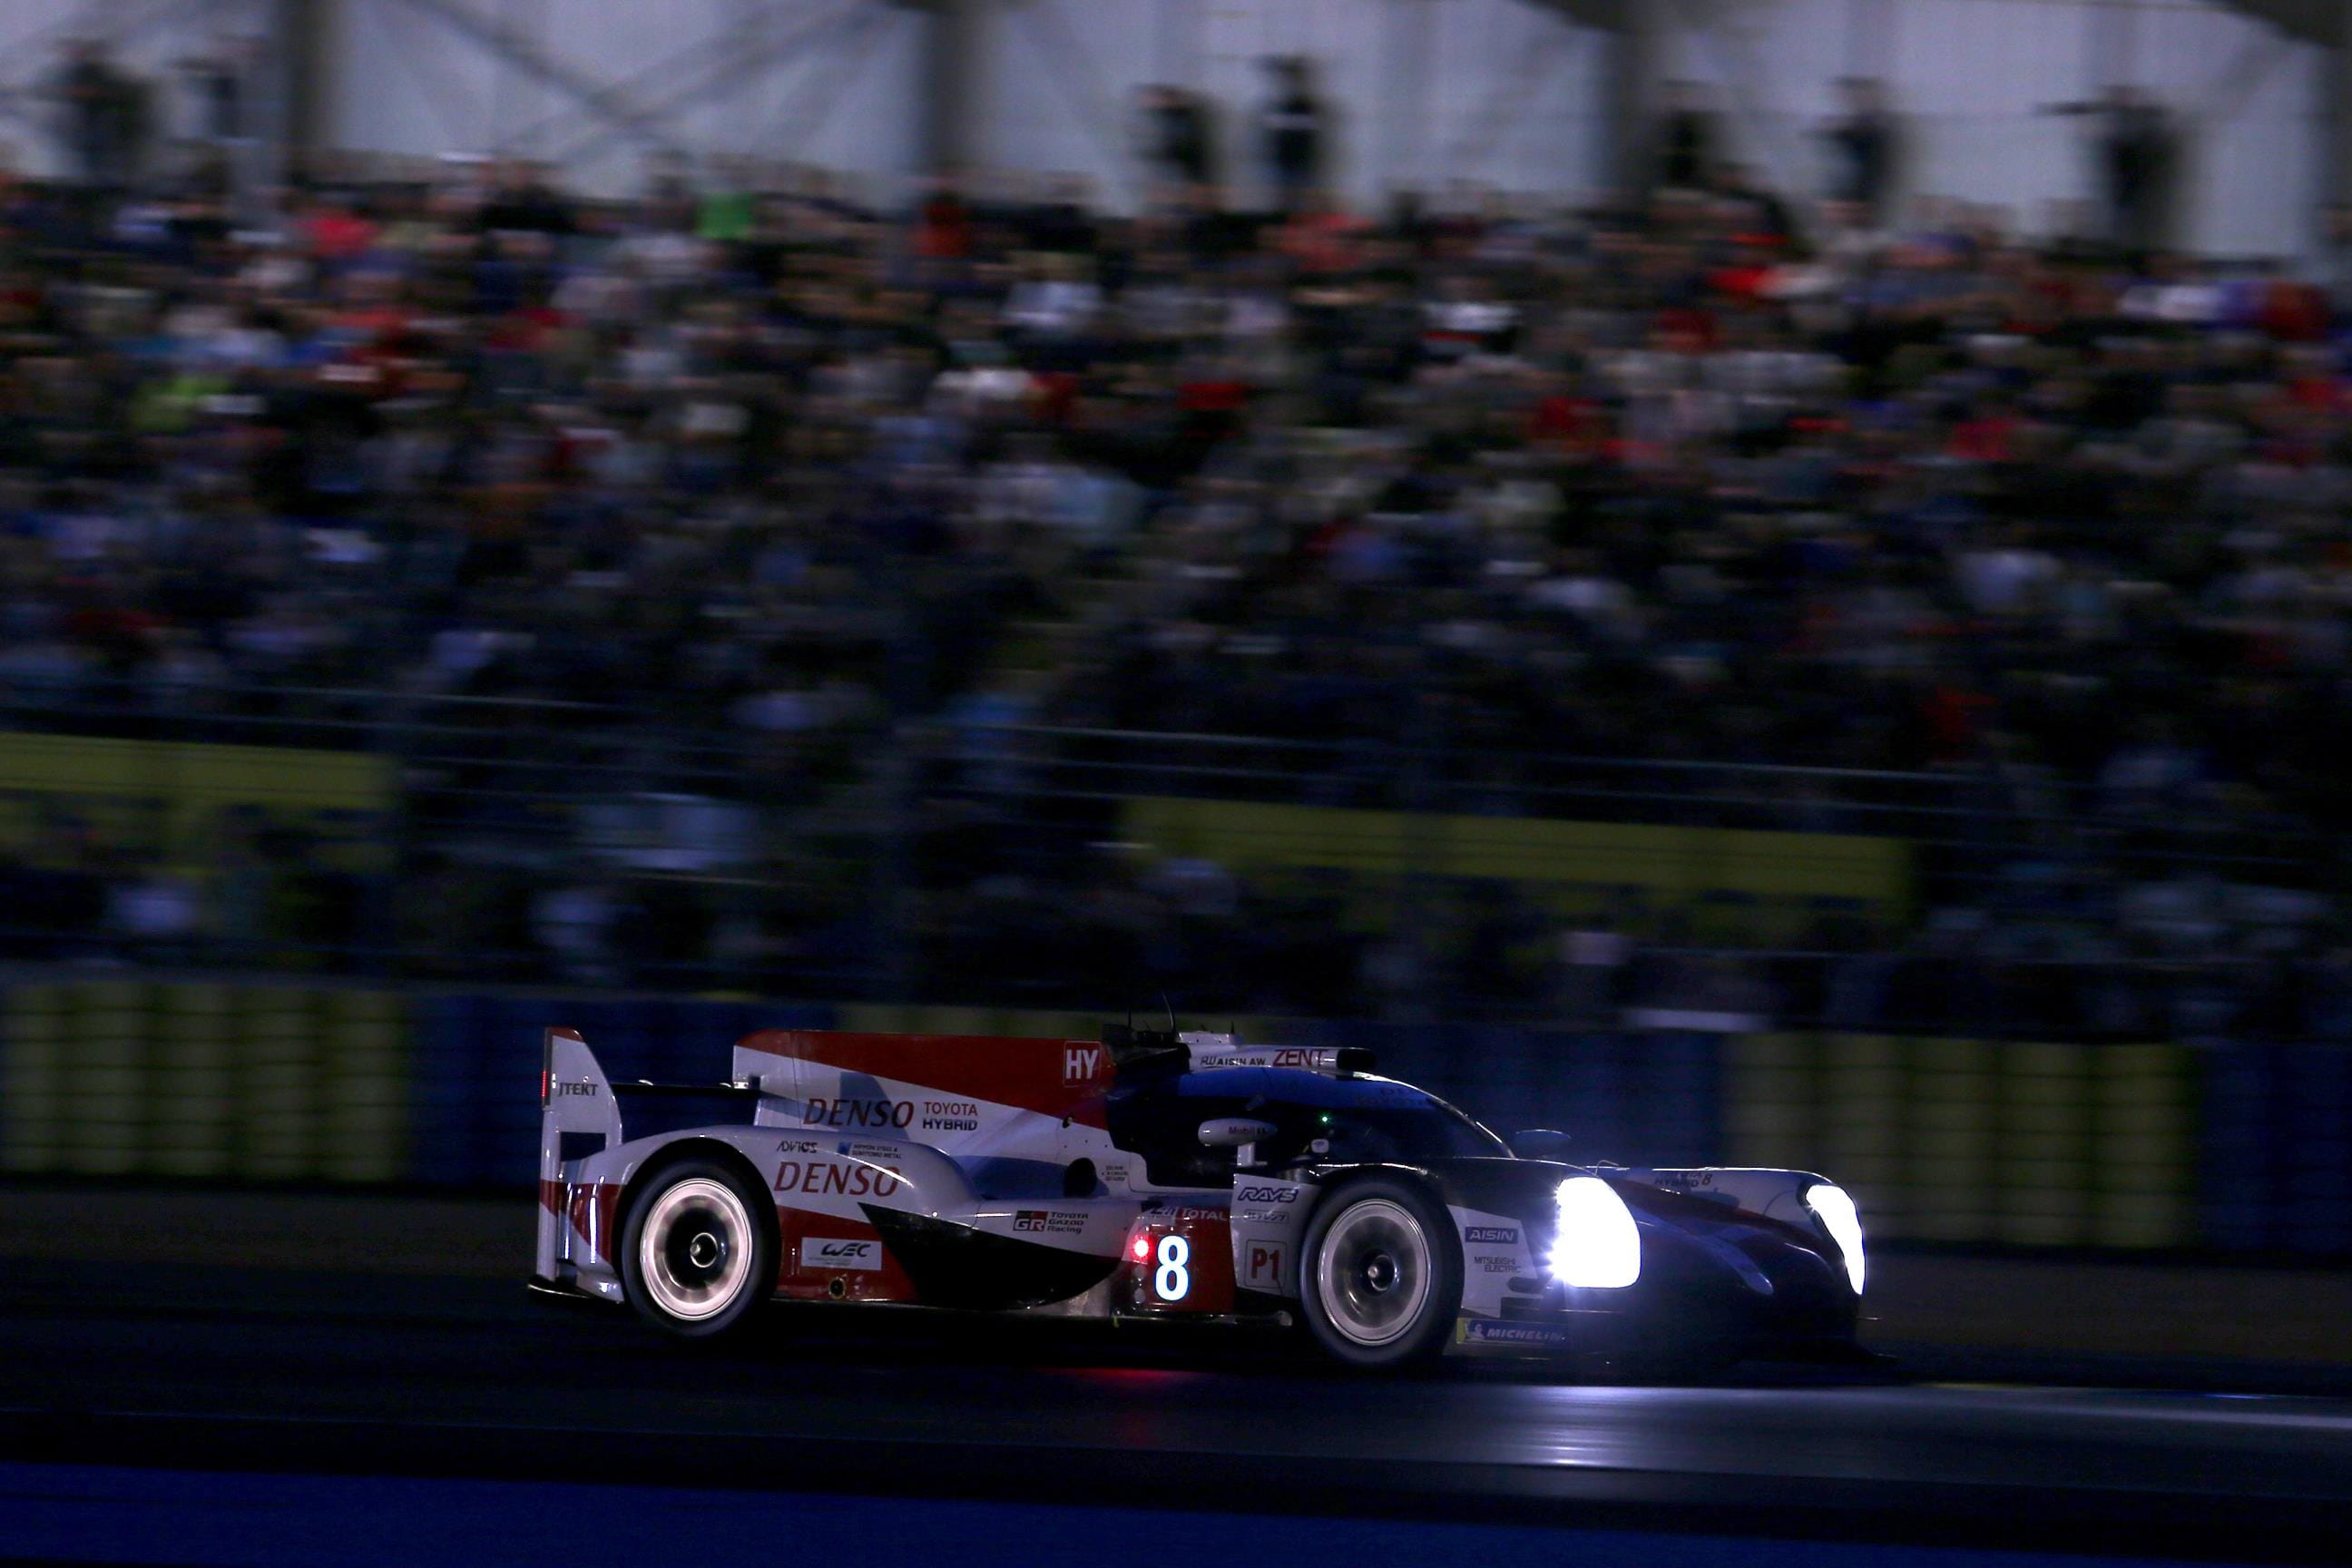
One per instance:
[(1158, 1175)]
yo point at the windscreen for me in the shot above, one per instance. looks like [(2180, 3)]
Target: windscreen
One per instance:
[(1359, 1119)]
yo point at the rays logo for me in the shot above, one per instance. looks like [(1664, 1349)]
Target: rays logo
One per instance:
[(1265, 1195)]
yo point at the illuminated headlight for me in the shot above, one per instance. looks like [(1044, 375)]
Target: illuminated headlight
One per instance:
[(1838, 1217), (1598, 1247)]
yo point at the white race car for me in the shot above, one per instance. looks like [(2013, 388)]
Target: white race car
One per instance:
[(1154, 1176)]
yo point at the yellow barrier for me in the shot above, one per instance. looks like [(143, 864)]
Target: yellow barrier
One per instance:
[(168, 801), (1972, 1140), (1025, 1022), (128, 1078), (1676, 865), (33, 1093), (1961, 1140)]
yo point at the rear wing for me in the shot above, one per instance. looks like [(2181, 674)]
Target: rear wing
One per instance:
[(581, 1114), (577, 1117)]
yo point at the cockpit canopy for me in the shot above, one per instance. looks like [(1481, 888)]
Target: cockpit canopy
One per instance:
[(1354, 1119)]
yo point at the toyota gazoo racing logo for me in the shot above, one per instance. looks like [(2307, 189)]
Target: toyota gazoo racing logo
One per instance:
[(1061, 1222)]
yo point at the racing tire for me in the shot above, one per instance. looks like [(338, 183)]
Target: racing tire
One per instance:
[(1381, 1275), (698, 1252)]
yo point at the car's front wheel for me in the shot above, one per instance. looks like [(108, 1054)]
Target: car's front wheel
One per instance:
[(696, 1257), (1383, 1277)]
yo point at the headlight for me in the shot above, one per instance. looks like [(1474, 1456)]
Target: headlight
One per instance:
[(1598, 1247), (1839, 1217)]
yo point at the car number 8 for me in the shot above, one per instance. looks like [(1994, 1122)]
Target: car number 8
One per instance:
[(1171, 1281)]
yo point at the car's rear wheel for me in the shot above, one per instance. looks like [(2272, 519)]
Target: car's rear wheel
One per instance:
[(697, 1256), (1383, 1277)]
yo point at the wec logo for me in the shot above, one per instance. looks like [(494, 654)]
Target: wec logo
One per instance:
[(824, 1252)]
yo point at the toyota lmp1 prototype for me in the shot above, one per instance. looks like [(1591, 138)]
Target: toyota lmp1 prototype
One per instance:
[(1153, 1175)]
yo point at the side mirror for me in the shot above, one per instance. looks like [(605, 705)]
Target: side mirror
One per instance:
[(1233, 1131), (1539, 1143)]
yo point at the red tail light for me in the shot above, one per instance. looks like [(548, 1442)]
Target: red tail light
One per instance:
[(1140, 1248), (542, 1086)]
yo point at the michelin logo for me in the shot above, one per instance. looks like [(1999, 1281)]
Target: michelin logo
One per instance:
[(1490, 1331)]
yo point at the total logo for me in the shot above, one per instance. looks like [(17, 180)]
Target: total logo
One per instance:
[(1080, 1064)]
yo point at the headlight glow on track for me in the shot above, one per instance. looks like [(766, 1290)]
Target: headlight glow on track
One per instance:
[(1598, 1247), (1842, 1221)]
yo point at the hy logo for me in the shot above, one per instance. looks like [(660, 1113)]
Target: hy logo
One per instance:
[(1079, 1063)]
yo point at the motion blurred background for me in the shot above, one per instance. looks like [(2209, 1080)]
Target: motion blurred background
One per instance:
[(1764, 581)]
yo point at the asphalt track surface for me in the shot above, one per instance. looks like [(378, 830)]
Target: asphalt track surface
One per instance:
[(277, 1372)]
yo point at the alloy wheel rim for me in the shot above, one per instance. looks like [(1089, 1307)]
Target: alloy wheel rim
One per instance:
[(1374, 1270), (695, 1251)]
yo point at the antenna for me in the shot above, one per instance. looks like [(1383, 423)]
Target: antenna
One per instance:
[(1171, 1011)]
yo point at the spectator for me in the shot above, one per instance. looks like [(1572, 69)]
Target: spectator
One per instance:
[(2138, 152), (1178, 138), (104, 115), (1293, 128), (763, 509), (1689, 140), (1862, 151)]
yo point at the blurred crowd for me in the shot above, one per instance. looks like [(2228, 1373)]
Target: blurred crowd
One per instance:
[(790, 506)]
